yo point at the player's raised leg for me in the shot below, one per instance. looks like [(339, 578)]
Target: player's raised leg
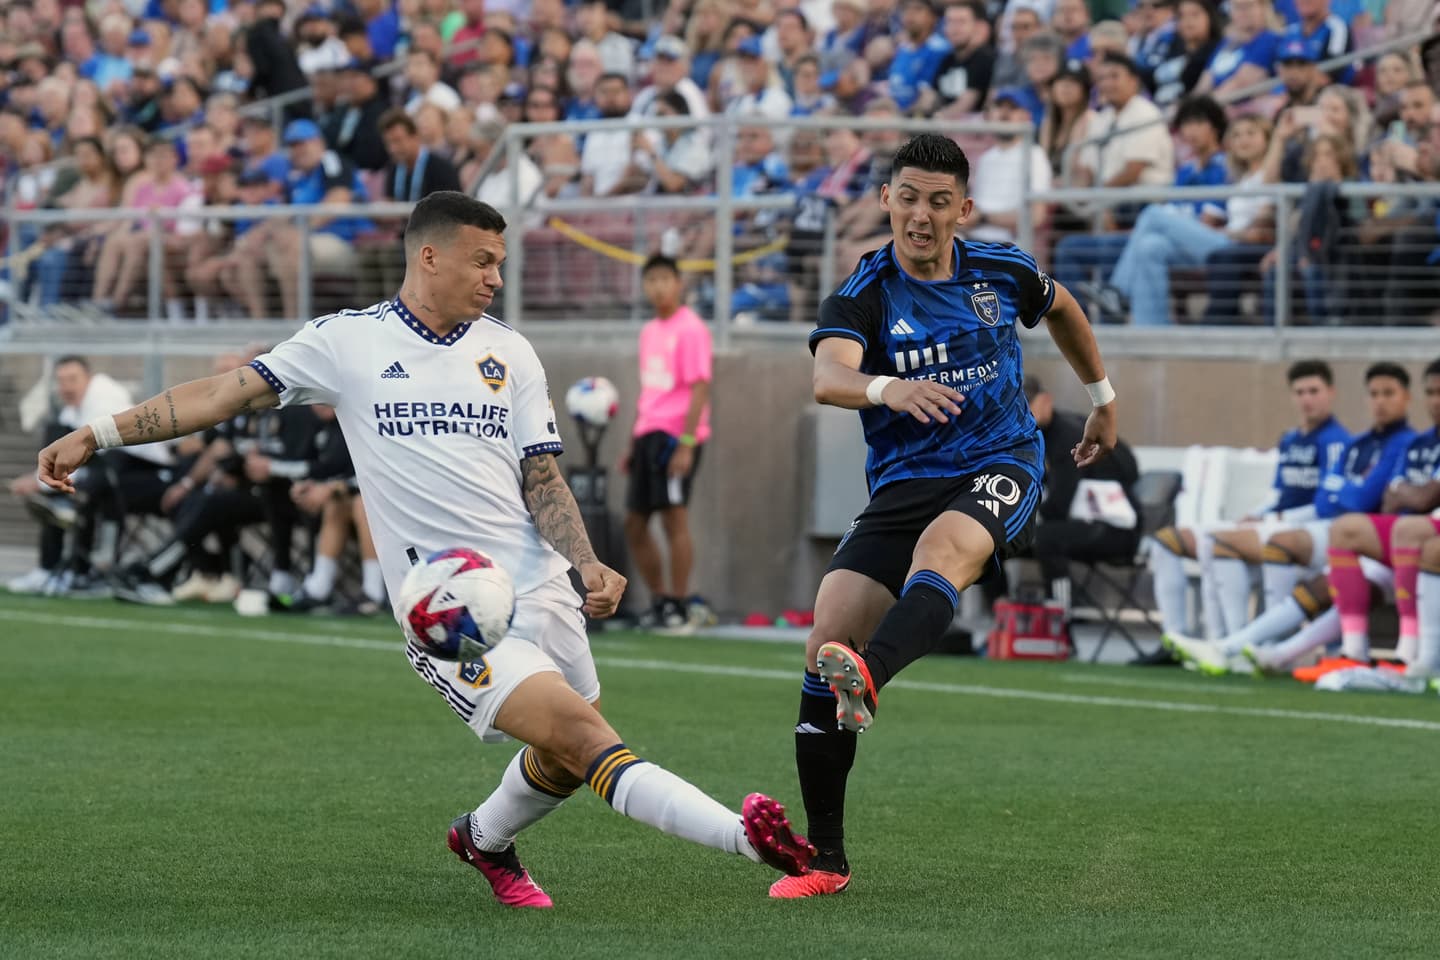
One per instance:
[(848, 607)]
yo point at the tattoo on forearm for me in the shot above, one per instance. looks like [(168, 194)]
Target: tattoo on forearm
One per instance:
[(174, 420), (553, 506), (147, 423), (248, 405), (240, 373)]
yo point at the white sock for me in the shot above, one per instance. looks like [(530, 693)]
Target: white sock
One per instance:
[(1060, 593), (1322, 631), (372, 580), (321, 581), (282, 583), (1406, 648), (1168, 572), (653, 795), (174, 311), (1212, 614), (524, 796), (1232, 586), (1355, 646), (1279, 580), (202, 310), (1427, 596), (1276, 622)]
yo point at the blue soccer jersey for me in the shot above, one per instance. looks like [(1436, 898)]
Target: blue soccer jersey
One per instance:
[(1358, 482), (1421, 461), (1304, 459), (959, 332)]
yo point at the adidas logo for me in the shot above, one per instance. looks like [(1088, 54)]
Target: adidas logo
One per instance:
[(992, 506), (395, 372), (902, 329)]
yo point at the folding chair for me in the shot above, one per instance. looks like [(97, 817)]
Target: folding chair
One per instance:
[(1156, 491)]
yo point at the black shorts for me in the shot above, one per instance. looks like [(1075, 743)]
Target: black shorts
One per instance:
[(651, 486), (880, 543)]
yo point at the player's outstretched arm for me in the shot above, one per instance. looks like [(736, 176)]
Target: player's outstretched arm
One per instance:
[(178, 411), (557, 517), (839, 383), (1070, 329)]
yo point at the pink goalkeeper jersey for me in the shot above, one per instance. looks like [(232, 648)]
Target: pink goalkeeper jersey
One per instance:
[(674, 355)]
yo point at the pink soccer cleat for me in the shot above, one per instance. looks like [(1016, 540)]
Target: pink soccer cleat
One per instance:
[(816, 883), (845, 671), (509, 881), (768, 831)]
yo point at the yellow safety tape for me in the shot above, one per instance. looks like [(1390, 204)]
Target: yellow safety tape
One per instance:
[(610, 250)]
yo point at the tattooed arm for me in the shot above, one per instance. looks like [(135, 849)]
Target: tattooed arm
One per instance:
[(557, 517), (178, 411)]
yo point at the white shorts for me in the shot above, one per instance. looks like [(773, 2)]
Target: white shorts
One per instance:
[(547, 635)]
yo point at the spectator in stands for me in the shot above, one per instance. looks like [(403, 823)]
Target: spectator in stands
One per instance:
[(793, 40), (962, 81), (726, 82), (1135, 149), (837, 183), (317, 37), (671, 71), (864, 225), (141, 107), (542, 105), (1071, 23), (843, 42), (582, 73), (495, 188), (1151, 45), (1068, 118), (260, 151), (61, 270), (996, 185), (606, 154), (1198, 31), (682, 163), (918, 53), (705, 36), (761, 93), (1328, 34), (414, 172), (809, 98), (337, 501), (357, 134), (1247, 54), (1025, 23), (107, 66), (1043, 57), (382, 26), (617, 53), (852, 88), (422, 75), (274, 69), (463, 29), (1179, 234), (126, 251), (202, 142), (1089, 515), (1393, 72)]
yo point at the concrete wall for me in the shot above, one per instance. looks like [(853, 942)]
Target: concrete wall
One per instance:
[(750, 504)]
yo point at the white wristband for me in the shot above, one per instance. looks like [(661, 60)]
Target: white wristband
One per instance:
[(1100, 393), (106, 433), (875, 388)]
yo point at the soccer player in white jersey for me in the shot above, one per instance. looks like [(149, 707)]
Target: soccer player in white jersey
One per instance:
[(449, 422)]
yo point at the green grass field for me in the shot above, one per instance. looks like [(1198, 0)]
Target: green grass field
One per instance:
[(184, 783)]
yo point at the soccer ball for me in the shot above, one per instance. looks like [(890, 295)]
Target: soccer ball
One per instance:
[(457, 604), (593, 400)]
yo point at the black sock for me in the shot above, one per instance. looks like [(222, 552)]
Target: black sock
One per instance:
[(824, 755), (913, 626)]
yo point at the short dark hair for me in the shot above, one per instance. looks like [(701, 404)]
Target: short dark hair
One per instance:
[(612, 75), (73, 358), (1115, 58), (397, 117), (658, 261), (676, 101), (1433, 370), (932, 152), (351, 26), (1301, 369), (1387, 369), (443, 212), (1202, 109)]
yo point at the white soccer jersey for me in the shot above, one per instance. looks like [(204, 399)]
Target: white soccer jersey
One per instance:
[(436, 428)]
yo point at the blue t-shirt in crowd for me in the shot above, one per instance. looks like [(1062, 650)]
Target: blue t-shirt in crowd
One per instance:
[(310, 186), (914, 67)]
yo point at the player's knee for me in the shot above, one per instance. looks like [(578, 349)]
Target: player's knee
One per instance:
[(1171, 539), (1313, 595), (1286, 548), (1348, 531), (1410, 533)]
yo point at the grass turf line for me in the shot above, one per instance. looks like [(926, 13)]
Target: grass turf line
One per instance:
[(193, 796)]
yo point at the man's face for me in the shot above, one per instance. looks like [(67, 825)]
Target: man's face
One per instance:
[(307, 154), (1199, 136), (925, 208), (199, 144), (661, 286), (1417, 108), (1116, 84), (1313, 397), (402, 145), (1312, 9), (71, 379), (1071, 17), (959, 26), (669, 72), (420, 72), (790, 34), (1296, 76), (1389, 399), (752, 145), (612, 96), (918, 21), (1024, 24), (465, 270)]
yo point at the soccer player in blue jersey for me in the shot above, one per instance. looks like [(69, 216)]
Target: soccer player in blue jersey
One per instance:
[(922, 339), (1306, 454)]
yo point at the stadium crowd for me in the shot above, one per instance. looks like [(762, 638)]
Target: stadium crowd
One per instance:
[(144, 102)]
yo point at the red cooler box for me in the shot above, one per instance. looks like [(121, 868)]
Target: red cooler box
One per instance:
[(1029, 631)]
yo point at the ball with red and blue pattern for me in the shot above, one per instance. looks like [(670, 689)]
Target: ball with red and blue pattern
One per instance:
[(457, 604)]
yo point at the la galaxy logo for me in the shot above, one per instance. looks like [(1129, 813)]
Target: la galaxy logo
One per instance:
[(492, 371), (476, 673), (986, 304)]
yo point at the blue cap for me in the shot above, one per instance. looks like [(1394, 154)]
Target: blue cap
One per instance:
[(298, 131), (830, 79), (1015, 95), (139, 38), (1295, 47), (749, 47)]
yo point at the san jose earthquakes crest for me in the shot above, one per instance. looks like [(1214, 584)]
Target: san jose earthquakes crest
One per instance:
[(492, 371), (986, 305)]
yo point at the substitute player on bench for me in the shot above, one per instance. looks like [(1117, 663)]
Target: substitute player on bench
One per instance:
[(922, 340), (449, 423)]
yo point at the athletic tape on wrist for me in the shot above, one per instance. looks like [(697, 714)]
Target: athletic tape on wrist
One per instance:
[(106, 433), (877, 387), (1101, 393)]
